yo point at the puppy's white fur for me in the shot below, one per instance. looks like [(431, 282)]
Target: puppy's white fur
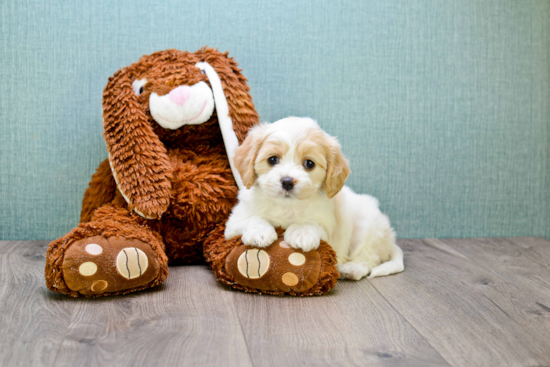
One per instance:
[(318, 207)]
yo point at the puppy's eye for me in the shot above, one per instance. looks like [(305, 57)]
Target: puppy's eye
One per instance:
[(273, 160), (138, 85), (309, 164)]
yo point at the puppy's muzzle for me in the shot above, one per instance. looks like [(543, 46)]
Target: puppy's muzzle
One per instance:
[(288, 183)]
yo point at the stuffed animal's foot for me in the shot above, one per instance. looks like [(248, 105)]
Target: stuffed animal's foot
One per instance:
[(275, 268), (99, 265)]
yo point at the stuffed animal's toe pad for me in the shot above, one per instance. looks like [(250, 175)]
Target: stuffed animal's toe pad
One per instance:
[(98, 265)]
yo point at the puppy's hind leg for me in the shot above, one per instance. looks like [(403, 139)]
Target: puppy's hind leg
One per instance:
[(373, 242)]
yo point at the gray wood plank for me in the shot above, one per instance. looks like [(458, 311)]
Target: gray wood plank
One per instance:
[(189, 321), (351, 326), (469, 302), (469, 314), (520, 261), (6, 246), (537, 248), (33, 320)]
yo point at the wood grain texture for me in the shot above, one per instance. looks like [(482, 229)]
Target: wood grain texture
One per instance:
[(5, 245), (187, 322), (33, 320), (525, 262), (469, 314), (475, 302), (537, 248), (352, 326)]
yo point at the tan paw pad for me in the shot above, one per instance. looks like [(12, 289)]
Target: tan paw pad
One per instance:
[(290, 279), (253, 263), (131, 262), (297, 259), (94, 249), (87, 269), (99, 285)]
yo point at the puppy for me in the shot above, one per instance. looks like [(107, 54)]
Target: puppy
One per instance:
[(294, 175)]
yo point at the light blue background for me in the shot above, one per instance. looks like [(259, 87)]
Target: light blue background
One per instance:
[(443, 107)]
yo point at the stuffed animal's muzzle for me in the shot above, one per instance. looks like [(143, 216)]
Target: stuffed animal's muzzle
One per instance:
[(184, 105)]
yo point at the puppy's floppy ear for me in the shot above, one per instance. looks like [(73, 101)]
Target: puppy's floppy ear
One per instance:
[(138, 159), (237, 92), (337, 167), (246, 153)]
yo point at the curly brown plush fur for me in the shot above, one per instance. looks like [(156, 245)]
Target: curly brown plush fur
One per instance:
[(163, 194), (179, 179)]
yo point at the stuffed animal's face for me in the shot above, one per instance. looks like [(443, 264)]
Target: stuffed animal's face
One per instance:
[(174, 93), (176, 98), (169, 97)]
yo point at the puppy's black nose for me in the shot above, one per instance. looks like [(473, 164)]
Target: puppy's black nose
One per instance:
[(288, 183)]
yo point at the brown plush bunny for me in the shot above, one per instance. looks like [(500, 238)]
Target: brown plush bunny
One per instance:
[(171, 123), (167, 182)]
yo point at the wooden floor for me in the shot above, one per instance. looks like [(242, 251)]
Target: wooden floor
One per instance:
[(476, 302)]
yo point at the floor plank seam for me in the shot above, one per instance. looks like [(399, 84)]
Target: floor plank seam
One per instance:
[(73, 312), (411, 325), (242, 330)]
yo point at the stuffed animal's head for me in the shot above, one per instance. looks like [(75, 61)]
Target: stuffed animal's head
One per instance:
[(165, 99)]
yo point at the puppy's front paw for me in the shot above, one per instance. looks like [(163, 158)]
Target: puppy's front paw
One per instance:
[(303, 237), (259, 236)]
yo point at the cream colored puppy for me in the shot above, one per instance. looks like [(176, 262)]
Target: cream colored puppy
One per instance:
[(294, 175)]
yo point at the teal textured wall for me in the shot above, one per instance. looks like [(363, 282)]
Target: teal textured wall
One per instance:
[(443, 107)]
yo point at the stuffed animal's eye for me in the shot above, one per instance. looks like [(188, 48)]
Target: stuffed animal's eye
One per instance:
[(138, 85), (309, 164), (273, 160), (202, 71)]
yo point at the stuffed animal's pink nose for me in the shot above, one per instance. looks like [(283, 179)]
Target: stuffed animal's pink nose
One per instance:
[(180, 95)]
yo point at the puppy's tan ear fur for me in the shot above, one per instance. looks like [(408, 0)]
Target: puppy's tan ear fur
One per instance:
[(337, 167), (246, 153), (138, 159)]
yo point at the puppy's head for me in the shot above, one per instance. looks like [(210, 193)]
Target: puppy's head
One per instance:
[(292, 158)]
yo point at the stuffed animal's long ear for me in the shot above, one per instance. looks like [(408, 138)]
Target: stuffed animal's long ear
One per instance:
[(236, 90), (337, 168), (234, 107), (246, 153), (138, 159)]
